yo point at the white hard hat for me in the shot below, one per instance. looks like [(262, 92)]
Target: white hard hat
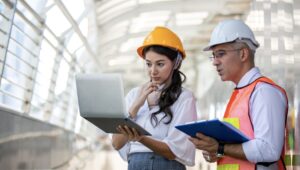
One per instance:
[(232, 30)]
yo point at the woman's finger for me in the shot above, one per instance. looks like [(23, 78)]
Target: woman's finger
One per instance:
[(150, 88), (121, 130), (129, 132), (135, 132)]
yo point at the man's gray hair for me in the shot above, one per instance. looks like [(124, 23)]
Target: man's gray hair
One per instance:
[(248, 42), (245, 44)]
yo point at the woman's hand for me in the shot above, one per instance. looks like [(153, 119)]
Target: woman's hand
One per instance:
[(145, 90), (130, 133)]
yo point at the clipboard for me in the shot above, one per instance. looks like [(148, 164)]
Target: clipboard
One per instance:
[(221, 131)]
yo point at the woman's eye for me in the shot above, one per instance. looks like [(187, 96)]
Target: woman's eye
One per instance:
[(160, 64), (148, 64)]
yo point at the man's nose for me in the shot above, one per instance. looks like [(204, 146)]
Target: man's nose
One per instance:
[(215, 61)]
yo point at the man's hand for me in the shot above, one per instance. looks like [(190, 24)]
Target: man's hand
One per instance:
[(209, 157), (208, 145)]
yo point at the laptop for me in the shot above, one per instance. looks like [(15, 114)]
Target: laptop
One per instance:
[(101, 101)]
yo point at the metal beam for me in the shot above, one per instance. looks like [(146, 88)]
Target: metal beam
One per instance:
[(77, 30)]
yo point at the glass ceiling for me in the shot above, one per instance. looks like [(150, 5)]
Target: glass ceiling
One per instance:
[(123, 24)]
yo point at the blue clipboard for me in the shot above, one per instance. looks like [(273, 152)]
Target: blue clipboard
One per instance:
[(221, 131)]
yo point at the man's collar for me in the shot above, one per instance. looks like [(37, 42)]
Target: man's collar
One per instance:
[(249, 77)]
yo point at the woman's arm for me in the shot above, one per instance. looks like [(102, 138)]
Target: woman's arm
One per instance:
[(156, 146), (161, 148), (145, 90), (118, 141), (175, 143)]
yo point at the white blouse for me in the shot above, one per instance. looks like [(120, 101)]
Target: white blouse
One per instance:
[(184, 110)]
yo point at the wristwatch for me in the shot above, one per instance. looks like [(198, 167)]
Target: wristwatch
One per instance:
[(220, 151)]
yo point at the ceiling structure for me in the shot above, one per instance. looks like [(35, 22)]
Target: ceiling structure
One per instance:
[(123, 24)]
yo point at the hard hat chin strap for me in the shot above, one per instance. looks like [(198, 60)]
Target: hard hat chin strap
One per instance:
[(178, 61)]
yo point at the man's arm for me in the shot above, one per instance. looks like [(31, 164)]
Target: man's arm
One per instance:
[(267, 112), (235, 151), (211, 145)]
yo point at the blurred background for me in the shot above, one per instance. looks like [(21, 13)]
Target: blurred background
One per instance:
[(45, 43)]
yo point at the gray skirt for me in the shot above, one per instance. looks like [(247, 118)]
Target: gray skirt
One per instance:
[(152, 161)]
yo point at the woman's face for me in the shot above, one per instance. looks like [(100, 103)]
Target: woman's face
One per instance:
[(159, 67)]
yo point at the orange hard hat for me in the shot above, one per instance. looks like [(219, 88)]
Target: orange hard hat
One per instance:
[(164, 37)]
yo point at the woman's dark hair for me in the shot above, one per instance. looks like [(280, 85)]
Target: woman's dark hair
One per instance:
[(170, 94)]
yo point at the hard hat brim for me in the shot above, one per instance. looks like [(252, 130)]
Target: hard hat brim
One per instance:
[(208, 48), (141, 48)]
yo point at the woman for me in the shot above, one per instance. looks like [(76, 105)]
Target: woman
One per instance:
[(158, 106)]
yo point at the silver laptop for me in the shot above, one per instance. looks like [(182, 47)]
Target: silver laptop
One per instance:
[(101, 101)]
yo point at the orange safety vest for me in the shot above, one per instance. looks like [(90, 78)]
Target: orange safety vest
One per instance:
[(239, 103)]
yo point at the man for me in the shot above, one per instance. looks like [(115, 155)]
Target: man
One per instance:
[(258, 107)]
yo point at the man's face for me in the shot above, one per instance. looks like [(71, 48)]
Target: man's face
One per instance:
[(228, 62)]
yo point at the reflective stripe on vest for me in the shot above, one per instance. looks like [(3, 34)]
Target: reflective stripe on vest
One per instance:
[(228, 167), (237, 111)]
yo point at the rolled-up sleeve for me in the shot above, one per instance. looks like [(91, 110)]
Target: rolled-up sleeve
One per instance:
[(178, 141), (267, 112)]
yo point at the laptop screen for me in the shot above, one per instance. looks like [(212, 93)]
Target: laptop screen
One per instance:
[(100, 95)]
